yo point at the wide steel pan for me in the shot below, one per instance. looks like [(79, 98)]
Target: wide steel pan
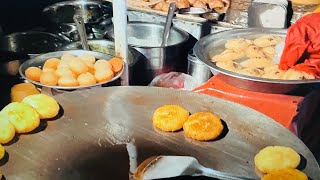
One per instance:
[(88, 140), (213, 44), (39, 61)]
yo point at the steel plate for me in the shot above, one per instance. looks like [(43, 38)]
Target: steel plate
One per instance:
[(39, 61), (89, 139)]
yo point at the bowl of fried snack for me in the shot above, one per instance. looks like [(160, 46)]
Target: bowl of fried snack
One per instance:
[(249, 58), (70, 70)]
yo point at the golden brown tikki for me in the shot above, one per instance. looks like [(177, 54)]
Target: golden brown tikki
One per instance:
[(170, 117), (22, 116), (46, 106), (203, 126), (22, 90), (274, 158), (285, 174), (7, 130)]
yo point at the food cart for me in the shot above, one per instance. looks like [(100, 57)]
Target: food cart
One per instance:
[(104, 128)]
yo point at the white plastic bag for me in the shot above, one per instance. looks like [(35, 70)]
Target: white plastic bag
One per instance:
[(175, 80)]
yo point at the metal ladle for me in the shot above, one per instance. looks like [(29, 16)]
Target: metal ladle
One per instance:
[(168, 24), (78, 19)]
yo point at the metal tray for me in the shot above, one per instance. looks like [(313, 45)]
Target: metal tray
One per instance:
[(39, 61), (96, 129), (213, 43)]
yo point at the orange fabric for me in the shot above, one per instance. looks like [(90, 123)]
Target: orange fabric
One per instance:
[(302, 41), (281, 108)]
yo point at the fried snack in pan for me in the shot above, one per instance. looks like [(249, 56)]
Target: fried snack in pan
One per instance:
[(22, 116), (170, 117), (203, 126), (238, 45), (251, 72), (269, 50), (292, 74), (228, 65), (268, 40), (256, 63), (274, 158), (273, 74), (286, 174), (227, 55), (254, 52)]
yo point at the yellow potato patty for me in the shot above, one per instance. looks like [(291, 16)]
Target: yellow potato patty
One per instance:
[(170, 117), (46, 106), (273, 158), (22, 116), (7, 130), (285, 174), (203, 126)]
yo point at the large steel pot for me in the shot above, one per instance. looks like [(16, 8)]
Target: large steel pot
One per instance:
[(214, 44), (32, 43), (97, 16), (146, 38)]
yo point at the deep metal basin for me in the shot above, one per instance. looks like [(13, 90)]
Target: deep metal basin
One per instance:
[(214, 44)]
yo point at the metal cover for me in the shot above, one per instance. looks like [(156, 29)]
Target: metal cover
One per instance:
[(89, 139)]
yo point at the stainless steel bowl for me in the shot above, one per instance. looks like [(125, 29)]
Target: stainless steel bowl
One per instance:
[(40, 60), (214, 44), (32, 43), (97, 16), (146, 38)]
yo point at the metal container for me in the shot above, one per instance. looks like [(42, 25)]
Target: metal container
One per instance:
[(197, 69), (32, 43), (146, 38), (40, 60), (97, 16), (214, 44)]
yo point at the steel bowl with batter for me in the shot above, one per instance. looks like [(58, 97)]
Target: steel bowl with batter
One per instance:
[(213, 44)]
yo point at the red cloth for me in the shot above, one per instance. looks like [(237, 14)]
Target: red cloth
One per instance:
[(303, 39), (281, 108)]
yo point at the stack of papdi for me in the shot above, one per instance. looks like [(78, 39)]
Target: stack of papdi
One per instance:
[(71, 71)]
